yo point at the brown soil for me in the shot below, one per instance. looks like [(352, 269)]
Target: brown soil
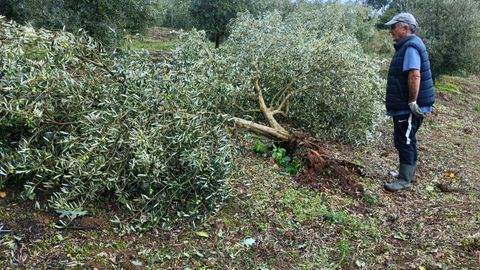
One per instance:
[(321, 171), (434, 223)]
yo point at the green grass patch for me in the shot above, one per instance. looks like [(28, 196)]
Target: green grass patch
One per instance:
[(448, 87), (305, 207), (308, 207), (371, 199), (476, 107), (149, 44), (260, 147)]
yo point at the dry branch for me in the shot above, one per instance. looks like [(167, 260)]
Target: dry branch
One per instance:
[(261, 129)]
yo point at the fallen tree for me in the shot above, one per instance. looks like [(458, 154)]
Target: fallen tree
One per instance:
[(81, 126), (274, 68), (284, 78)]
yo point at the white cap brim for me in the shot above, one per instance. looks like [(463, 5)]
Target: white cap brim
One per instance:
[(391, 22)]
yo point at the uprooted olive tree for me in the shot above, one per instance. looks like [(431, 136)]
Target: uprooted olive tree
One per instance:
[(285, 78), (290, 69), (78, 125)]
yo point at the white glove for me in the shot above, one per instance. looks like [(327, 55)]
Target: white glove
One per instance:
[(415, 109)]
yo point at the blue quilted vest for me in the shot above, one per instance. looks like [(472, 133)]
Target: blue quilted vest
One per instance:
[(397, 83)]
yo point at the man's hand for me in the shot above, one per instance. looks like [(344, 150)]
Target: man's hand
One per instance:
[(415, 109)]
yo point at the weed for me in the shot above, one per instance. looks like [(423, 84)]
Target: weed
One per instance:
[(476, 107), (344, 250), (279, 154), (370, 199), (291, 166), (260, 147)]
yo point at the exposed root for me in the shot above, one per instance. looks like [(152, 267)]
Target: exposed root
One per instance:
[(321, 171)]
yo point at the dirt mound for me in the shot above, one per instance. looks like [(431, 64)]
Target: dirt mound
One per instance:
[(322, 171)]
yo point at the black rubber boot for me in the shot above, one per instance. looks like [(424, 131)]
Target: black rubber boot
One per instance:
[(394, 174), (406, 175)]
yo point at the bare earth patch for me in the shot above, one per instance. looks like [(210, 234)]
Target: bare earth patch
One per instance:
[(435, 222)]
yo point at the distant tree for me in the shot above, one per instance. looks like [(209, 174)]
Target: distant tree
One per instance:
[(282, 6), (176, 14), (376, 4), (105, 20), (450, 29), (12, 9), (214, 15)]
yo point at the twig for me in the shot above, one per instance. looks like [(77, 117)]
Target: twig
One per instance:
[(285, 101), (210, 55), (280, 112), (287, 87), (98, 64), (79, 228), (247, 111), (279, 93), (60, 123), (104, 67)]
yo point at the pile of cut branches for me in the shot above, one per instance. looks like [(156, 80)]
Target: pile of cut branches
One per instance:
[(83, 125)]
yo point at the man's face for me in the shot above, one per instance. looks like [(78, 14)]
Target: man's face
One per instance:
[(399, 31)]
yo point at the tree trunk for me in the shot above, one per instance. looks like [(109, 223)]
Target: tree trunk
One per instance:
[(262, 130), (217, 39)]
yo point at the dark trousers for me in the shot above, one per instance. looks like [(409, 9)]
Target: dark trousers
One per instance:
[(404, 130)]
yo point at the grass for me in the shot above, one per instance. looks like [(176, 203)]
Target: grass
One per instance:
[(149, 44), (156, 40), (476, 107), (447, 87)]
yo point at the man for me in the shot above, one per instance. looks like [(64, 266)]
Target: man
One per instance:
[(410, 94)]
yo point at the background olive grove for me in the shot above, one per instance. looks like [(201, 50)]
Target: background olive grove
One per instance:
[(107, 21), (450, 29)]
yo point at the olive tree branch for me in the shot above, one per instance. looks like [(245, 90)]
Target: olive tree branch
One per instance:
[(263, 107)]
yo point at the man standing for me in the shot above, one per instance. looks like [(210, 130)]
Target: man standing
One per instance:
[(410, 94)]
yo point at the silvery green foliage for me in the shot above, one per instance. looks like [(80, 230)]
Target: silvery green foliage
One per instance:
[(337, 17), (80, 124), (107, 21), (336, 89), (451, 32)]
